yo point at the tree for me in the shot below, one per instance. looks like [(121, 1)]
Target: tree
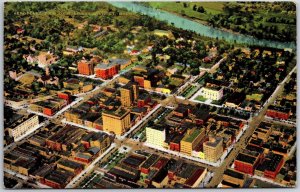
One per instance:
[(195, 71), (195, 7), (201, 9)]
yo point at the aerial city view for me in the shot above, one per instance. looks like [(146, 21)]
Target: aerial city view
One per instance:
[(149, 95)]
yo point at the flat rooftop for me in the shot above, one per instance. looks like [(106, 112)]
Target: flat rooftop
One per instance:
[(246, 158)]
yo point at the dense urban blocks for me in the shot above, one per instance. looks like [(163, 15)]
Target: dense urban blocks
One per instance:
[(118, 96)]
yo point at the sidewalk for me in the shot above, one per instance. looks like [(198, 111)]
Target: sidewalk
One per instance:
[(140, 122), (90, 167)]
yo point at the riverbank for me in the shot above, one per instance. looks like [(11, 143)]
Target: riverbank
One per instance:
[(202, 29)]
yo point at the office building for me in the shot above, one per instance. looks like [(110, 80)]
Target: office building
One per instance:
[(213, 148), (117, 121)]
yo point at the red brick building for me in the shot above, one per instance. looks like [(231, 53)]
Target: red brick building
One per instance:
[(85, 68), (175, 143), (107, 71), (272, 165), (143, 100), (65, 96), (139, 80), (278, 112), (247, 162), (48, 111)]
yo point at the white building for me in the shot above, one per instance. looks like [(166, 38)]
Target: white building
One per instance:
[(156, 135), (22, 125)]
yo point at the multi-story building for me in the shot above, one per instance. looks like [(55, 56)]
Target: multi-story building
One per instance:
[(85, 67), (191, 139), (213, 148), (156, 135), (129, 93), (69, 165), (247, 161), (20, 125), (278, 112), (117, 121), (213, 93), (263, 131), (107, 70), (99, 140), (48, 107), (75, 86)]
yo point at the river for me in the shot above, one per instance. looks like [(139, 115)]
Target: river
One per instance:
[(201, 29)]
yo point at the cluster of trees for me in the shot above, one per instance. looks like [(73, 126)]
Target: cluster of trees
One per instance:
[(257, 68), (241, 18)]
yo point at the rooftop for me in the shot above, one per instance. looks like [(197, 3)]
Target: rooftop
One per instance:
[(215, 142), (233, 173), (192, 136), (245, 158), (119, 112)]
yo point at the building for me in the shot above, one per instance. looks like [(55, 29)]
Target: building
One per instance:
[(156, 135), (117, 121), (19, 125), (67, 137), (129, 94), (191, 139), (75, 86), (263, 131), (213, 93), (213, 148), (44, 59), (247, 161), (278, 112), (58, 178), (48, 107), (234, 179), (145, 167), (235, 99), (85, 68), (108, 69), (271, 165), (99, 140), (70, 166)]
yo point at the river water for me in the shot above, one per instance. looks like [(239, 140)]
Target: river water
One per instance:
[(201, 29)]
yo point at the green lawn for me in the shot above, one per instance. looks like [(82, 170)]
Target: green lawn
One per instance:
[(178, 8), (201, 98), (189, 91)]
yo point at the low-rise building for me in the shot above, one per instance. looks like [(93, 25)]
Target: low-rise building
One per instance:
[(213, 93), (75, 86), (278, 112)]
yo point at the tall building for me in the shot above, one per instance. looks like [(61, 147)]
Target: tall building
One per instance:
[(116, 121), (156, 135), (213, 148), (19, 125), (129, 93), (85, 67), (191, 140)]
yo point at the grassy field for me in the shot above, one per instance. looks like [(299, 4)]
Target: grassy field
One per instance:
[(211, 8), (201, 98)]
